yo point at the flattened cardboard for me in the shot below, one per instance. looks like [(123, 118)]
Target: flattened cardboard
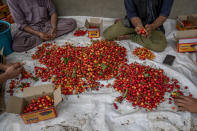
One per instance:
[(57, 96), (186, 34), (15, 105)]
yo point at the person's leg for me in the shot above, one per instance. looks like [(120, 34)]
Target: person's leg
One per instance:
[(65, 25), (23, 41), (117, 30), (157, 42), (2, 88)]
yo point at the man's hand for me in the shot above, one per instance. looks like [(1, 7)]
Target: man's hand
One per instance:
[(186, 103), (53, 33), (44, 36), (149, 30), (138, 30), (14, 70)]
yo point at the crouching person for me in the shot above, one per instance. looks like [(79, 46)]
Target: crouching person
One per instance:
[(142, 14), (7, 72)]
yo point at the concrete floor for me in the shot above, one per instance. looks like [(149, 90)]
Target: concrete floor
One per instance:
[(113, 8)]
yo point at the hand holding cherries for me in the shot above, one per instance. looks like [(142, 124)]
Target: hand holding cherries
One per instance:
[(141, 31)]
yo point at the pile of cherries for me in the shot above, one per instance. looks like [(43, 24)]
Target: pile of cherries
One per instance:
[(143, 54), (144, 86), (76, 69)]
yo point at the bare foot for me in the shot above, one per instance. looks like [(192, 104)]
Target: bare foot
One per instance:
[(117, 20), (124, 37)]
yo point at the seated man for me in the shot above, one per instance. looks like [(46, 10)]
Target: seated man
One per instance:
[(142, 14), (186, 103), (37, 21), (7, 72)]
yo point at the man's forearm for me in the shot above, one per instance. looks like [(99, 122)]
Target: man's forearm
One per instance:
[(3, 78), (136, 21), (31, 31), (54, 20), (158, 22)]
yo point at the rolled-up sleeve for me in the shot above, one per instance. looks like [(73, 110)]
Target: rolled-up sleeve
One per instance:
[(166, 8), (50, 7), (17, 14), (130, 8)]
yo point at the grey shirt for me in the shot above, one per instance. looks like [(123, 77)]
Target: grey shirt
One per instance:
[(30, 12)]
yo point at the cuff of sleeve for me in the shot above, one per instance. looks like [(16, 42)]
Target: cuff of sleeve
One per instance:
[(165, 15), (52, 12), (22, 26), (131, 16)]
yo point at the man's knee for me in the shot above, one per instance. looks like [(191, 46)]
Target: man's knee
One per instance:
[(73, 24), (24, 43), (159, 42), (16, 47), (108, 33), (112, 32)]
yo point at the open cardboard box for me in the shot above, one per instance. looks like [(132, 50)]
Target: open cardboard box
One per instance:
[(186, 41), (94, 27), (16, 104)]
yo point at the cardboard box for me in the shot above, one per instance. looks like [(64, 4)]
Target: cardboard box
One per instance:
[(94, 27), (186, 22), (4, 11), (16, 105), (186, 41)]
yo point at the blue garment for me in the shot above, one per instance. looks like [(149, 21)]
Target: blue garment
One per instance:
[(132, 12), (150, 14)]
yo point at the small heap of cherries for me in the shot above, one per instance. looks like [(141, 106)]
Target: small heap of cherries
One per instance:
[(143, 54), (43, 102), (19, 83)]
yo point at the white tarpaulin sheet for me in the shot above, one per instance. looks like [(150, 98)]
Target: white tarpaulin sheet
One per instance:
[(94, 111)]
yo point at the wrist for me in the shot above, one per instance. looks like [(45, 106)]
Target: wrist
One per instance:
[(139, 26), (153, 27), (38, 33), (54, 27)]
